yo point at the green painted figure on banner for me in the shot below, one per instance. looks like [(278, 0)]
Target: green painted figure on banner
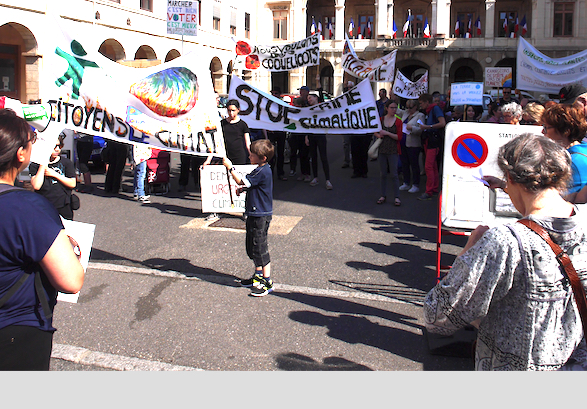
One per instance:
[(75, 72)]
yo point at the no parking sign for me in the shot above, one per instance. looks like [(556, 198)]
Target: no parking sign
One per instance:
[(470, 152)]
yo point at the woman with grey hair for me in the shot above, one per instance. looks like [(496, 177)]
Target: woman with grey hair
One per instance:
[(511, 113), (507, 281)]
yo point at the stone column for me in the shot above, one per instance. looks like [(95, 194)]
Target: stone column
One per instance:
[(489, 19), (339, 21), (434, 18), (381, 23), (443, 22)]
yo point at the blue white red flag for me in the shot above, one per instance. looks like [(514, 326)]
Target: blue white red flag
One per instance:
[(426, 29)]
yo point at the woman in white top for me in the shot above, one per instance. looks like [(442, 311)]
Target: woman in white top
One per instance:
[(411, 147)]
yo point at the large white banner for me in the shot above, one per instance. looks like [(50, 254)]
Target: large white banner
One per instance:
[(284, 57), (171, 106), (219, 189), (352, 112), (405, 88), (378, 70), (537, 72)]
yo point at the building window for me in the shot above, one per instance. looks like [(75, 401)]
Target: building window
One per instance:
[(365, 28), (147, 5), (9, 71), (563, 19), (464, 20), (233, 21), (506, 23), (216, 17), (247, 25), (280, 24), (327, 30)]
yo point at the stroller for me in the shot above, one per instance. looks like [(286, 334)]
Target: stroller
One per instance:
[(158, 172)]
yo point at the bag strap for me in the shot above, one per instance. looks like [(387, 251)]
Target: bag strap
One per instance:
[(567, 265), (4, 188)]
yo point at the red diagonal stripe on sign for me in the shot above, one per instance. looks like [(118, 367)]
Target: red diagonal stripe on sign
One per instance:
[(470, 151)]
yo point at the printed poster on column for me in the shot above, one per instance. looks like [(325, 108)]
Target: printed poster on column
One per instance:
[(350, 113), (538, 72), (275, 57), (216, 189), (495, 77), (182, 17), (171, 106), (405, 88), (378, 70)]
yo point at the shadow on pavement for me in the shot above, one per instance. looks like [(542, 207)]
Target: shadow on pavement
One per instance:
[(296, 362)]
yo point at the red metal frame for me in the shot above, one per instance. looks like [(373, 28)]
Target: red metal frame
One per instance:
[(443, 232)]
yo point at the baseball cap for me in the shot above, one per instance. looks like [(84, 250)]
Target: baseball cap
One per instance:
[(569, 93), (304, 88)]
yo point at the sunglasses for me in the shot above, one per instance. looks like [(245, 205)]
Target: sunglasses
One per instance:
[(33, 138)]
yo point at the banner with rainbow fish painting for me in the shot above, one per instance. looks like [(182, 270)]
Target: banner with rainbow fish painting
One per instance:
[(171, 106)]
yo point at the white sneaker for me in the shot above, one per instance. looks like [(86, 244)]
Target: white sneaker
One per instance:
[(212, 217), (144, 199), (328, 185), (414, 189), (405, 186), (314, 182)]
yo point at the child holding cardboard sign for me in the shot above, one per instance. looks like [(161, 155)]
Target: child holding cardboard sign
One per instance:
[(258, 209)]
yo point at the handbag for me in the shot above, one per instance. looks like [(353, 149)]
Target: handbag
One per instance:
[(373, 151), (567, 265), (74, 202)]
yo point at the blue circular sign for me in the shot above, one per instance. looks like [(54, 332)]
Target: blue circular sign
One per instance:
[(469, 150)]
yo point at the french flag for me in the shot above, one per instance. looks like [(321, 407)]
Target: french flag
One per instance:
[(505, 26), (516, 27), (406, 26), (478, 25), (368, 29), (468, 33), (426, 29), (313, 27), (524, 26), (394, 30), (457, 28), (351, 28), (330, 29), (320, 30)]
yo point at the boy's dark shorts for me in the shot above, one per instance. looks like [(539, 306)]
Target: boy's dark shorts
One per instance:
[(257, 248)]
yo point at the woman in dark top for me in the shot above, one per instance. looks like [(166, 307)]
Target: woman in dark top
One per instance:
[(36, 257), (389, 150), (55, 181), (236, 135)]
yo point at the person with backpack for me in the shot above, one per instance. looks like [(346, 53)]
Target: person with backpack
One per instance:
[(432, 140), (36, 257)]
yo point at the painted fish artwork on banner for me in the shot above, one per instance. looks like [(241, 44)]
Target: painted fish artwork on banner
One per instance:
[(350, 113), (171, 106), (273, 57), (378, 70), (405, 88), (538, 72)]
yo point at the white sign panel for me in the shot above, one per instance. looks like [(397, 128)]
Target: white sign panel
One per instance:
[(470, 152), (537, 72), (182, 17), (218, 195), (353, 112), (466, 93), (495, 77), (405, 88), (81, 236)]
